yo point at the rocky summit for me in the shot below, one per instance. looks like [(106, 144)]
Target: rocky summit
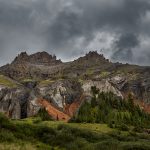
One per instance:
[(40, 58), (39, 80)]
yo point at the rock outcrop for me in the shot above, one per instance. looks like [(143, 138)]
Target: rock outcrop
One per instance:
[(40, 58), (39, 65), (66, 85), (13, 102), (60, 92), (103, 86)]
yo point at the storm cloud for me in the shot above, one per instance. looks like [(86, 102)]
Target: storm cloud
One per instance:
[(69, 28)]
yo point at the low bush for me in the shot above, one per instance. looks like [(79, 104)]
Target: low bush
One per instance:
[(138, 129), (6, 136), (4, 121), (122, 127), (135, 146), (44, 115), (67, 137)]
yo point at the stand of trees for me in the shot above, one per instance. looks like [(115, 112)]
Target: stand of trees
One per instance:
[(110, 109)]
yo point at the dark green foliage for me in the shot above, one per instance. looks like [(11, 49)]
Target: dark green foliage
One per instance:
[(135, 146), (4, 121), (110, 109), (71, 138), (123, 127), (138, 129), (94, 90), (44, 115), (130, 103), (6, 135), (107, 145)]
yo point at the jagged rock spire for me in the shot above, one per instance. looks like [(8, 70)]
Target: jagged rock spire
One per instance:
[(41, 58)]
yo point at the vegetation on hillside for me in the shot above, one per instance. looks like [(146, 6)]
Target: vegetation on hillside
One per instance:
[(43, 115), (105, 123), (110, 109), (62, 136), (7, 82)]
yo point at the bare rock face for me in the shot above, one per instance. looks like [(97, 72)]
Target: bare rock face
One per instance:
[(33, 106), (60, 93), (39, 65), (119, 81), (23, 57), (103, 86), (40, 58), (138, 86), (41, 75), (92, 58), (13, 102)]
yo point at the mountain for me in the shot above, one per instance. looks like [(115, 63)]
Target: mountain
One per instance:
[(40, 58), (24, 66), (39, 80)]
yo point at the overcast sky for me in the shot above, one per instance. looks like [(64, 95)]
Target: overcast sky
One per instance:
[(120, 29)]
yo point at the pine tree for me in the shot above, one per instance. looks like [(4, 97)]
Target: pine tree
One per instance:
[(130, 103)]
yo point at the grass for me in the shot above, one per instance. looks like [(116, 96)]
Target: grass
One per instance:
[(49, 81), (13, 146), (28, 134), (99, 128), (46, 82), (7, 82), (104, 74), (94, 127), (27, 80)]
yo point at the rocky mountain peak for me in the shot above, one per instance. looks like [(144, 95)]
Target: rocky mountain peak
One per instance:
[(22, 57), (39, 58), (93, 56)]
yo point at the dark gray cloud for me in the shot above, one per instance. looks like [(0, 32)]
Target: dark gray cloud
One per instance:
[(124, 46), (70, 28)]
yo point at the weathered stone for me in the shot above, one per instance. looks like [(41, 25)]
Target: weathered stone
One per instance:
[(64, 83)]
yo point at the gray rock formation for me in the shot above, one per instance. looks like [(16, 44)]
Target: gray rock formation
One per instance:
[(103, 86), (60, 92), (13, 102), (40, 75)]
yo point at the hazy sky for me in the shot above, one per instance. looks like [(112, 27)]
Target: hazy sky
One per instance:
[(120, 29)]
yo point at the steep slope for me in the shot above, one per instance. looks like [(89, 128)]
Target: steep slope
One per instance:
[(39, 58), (54, 112), (12, 98), (73, 108), (29, 77), (40, 65)]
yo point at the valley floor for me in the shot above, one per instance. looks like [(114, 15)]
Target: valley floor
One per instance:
[(34, 134)]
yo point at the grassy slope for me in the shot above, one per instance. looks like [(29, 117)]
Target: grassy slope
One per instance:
[(32, 133), (99, 128), (5, 81)]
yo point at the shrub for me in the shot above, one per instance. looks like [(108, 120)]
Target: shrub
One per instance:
[(135, 146), (107, 107), (138, 129), (123, 127), (44, 115), (6, 136), (107, 145), (37, 120), (4, 121)]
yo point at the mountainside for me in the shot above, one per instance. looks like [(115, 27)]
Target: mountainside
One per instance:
[(64, 86)]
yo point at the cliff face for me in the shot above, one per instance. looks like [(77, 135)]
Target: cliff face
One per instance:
[(64, 95), (103, 86), (61, 92), (13, 102), (65, 85), (39, 65), (40, 58)]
